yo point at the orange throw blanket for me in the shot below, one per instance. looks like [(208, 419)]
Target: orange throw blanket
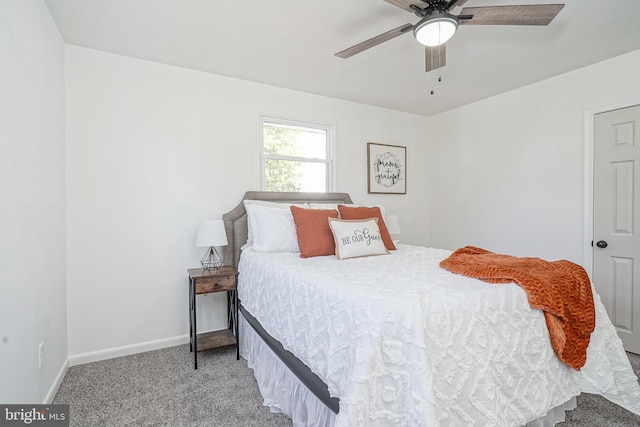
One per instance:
[(561, 289)]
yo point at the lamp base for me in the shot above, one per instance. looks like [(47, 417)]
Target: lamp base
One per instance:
[(211, 259)]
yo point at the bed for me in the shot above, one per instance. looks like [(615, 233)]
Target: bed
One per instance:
[(337, 342)]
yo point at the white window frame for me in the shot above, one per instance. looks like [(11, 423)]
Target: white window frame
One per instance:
[(329, 129)]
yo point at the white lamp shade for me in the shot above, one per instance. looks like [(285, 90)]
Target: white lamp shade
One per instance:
[(435, 30), (211, 233), (393, 225)]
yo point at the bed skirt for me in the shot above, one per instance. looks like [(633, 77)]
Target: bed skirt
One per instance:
[(280, 388), (284, 393)]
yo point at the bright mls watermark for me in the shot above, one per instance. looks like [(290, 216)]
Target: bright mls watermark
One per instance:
[(34, 415)]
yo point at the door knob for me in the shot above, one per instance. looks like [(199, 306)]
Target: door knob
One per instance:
[(602, 244)]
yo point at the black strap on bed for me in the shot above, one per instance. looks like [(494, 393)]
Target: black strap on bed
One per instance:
[(302, 371)]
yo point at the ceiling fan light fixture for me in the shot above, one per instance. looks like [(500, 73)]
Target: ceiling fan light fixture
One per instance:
[(435, 29)]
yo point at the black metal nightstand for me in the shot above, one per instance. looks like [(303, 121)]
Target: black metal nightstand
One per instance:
[(201, 281)]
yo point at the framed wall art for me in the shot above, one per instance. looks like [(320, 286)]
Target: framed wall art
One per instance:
[(386, 168)]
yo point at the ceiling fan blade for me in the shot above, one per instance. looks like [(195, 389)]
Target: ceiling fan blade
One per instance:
[(536, 14), (375, 41), (406, 4), (458, 3), (435, 57)]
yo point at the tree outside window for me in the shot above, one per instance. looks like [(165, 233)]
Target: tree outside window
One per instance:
[(296, 156)]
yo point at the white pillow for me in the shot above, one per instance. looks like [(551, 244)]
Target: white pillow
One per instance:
[(357, 237), (251, 226), (271, 227)]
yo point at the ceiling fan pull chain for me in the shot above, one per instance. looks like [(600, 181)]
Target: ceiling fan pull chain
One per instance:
[(432, 92), (433, 81), (439, 80)]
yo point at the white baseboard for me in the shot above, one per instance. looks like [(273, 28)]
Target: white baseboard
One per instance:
[(110, 353), (56, 383)]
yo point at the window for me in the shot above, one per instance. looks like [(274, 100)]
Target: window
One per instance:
[(296, 156)]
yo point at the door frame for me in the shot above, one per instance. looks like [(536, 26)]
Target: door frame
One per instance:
[(589, 146)]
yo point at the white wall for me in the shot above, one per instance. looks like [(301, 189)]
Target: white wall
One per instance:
[(507, 173), (33, 305), (151, 151)]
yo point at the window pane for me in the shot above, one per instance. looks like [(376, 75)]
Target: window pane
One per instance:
[(285, 175), (295, 141)]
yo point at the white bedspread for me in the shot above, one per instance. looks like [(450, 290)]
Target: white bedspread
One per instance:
[(402, 342)]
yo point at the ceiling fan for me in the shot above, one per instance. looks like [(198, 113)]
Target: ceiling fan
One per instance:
[(437, 25)]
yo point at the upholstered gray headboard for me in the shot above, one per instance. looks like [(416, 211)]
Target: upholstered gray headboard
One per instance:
[(235, 221)]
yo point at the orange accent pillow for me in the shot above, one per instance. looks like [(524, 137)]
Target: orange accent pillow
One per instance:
[(364, 212), (314, 234)]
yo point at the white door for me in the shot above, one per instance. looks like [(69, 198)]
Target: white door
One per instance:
[(616, 218)]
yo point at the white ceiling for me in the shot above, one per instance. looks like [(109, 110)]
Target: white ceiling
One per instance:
[(291, 44)]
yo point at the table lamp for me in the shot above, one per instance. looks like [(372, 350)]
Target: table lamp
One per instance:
[(211, 233)]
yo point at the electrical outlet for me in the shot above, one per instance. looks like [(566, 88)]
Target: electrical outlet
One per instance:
[(41, 355)]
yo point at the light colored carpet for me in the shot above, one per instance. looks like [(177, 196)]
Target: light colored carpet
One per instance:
[(160, 388)]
